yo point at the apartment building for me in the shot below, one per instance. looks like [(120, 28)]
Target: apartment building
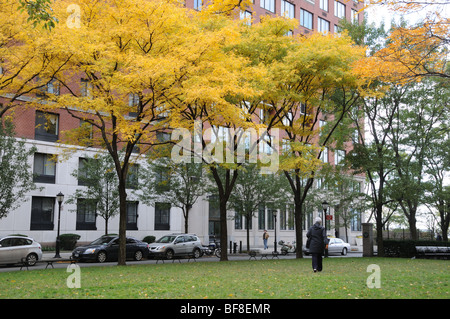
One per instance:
[(37, 215)]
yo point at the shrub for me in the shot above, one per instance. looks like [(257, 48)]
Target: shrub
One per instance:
[(68, 241), (407, 248), (149, 239)]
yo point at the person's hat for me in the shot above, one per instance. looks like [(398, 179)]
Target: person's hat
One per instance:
[(318, 220)]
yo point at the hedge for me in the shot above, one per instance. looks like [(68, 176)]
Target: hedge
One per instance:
[(68, 241), (149, 239), (407, 248)]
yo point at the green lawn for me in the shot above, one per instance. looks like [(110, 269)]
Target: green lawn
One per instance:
[(341, 278)]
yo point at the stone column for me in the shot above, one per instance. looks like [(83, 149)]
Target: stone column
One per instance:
[(367, 232)]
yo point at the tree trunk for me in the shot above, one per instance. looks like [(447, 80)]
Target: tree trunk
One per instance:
[(298, 213), (186, 216), (223, 229), (122, 223), (379, 223)]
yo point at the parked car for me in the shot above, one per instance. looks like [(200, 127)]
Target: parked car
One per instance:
[(338, 246), (14, 248), (335, 246), (106, 248), (173, 245)]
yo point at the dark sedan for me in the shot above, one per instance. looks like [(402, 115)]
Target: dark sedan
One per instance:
[(106, 248)]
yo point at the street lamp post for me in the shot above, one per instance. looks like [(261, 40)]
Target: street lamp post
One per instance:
[(275, 240), (325, 206), (59, 199)]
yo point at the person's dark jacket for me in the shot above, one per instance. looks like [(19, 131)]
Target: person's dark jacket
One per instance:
[(318, 239)]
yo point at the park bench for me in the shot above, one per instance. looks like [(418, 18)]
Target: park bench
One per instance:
[(163, 258), (438, 252), (263, 253), (49, 261)]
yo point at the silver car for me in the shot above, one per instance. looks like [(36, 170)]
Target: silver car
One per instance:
[(337, 246), (14, 248), (173, 245)]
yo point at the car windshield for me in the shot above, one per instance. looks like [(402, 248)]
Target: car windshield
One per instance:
[(166, 239), (102, 240)]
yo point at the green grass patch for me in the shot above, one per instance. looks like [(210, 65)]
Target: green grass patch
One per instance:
[(341, 278)]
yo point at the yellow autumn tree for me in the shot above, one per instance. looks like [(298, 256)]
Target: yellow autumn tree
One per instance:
[(131, 62), (24, 57), (318, 81), (297, 81)]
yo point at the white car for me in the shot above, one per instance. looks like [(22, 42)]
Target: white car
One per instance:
[(14, 248), (337, 246)]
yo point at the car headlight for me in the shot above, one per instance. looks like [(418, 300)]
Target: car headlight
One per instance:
[(89, 251)]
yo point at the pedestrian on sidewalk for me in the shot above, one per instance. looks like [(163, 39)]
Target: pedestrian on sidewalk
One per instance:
[(265, 238), (317, 241)]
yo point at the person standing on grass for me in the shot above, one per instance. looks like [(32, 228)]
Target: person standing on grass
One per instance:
[(265, 238), (318, 242)]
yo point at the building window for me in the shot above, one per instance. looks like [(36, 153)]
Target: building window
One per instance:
[(42, 212), (306, 19), (268, 5), (271, 213), (44, 168), (339, 156), (86, 214), (53, 87), (354, 16), (324, 5), (132, 215), (133, 103), (261, 217), (339, 9), (132, 176), (86, 88), (213, 218), (324, 155), (198, 5), (291, 217), (287, 9), (323, 25), (162, 216), (46, 127), (355, 222), (247, 16), (238, 220)]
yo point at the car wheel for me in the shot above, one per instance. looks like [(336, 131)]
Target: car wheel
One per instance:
[(197, 253), (138, 255), (344, 251), (169, 254), (31, 259), (101, 257)]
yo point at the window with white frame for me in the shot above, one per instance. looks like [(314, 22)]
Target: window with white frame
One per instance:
[(323, 25), (339, 156), (354, 16), (306, 19), (198, 5), (268, 5), (287, 9), (246, 16), (324, 5), (339, 9), (324, 155), (288, 118)]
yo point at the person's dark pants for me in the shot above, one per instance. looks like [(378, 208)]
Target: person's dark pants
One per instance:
[(317, 261)]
